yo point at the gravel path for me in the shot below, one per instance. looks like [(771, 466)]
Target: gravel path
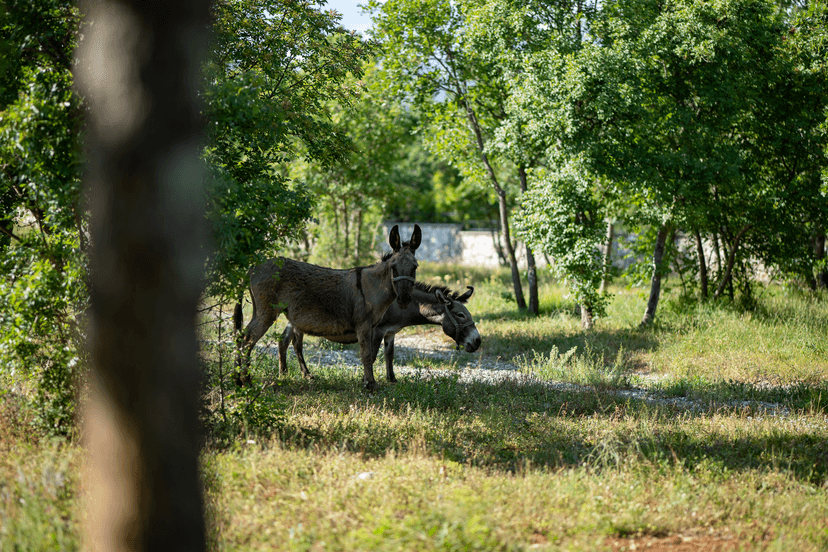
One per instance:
[(433, 348)]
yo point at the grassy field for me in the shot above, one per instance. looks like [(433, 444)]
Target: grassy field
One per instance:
[(435, 464)]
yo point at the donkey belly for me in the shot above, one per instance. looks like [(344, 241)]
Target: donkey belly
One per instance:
[(321, 322), (346, 338)]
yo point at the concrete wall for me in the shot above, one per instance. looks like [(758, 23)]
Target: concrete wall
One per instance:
[(448, 243)]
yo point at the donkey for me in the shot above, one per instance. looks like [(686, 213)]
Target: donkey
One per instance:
[(430, 305), (330, 302)]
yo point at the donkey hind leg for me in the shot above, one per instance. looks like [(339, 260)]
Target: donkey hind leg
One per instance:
[(257, 327), (368, 350), (284, 343), (298, 339), (389, 357)]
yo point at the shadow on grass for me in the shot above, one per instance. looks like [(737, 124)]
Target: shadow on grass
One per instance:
[(509, 426), (528, 343), (800, 396)]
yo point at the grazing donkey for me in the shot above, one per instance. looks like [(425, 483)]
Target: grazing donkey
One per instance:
[(330, 302), (430, 305)]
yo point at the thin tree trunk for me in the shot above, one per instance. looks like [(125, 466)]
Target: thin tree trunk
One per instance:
[(510, 250), (607, 257), (702, 265), (731, 258), (144, 176), (587, 320), (718, 254), (503, 208), (819, 253), (358, 238), (342, 256), (532, 277), (655, 282), (532, 270)]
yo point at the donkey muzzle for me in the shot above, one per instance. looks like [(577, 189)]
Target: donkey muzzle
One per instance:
[(473, 344), (403, 299)]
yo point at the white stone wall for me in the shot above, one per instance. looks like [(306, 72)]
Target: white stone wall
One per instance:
[(447, 243)]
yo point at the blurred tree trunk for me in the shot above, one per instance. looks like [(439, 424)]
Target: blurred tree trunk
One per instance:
[(587, 318), (819, 253), (138, 67)]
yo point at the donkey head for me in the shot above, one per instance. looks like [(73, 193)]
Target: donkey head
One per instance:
[(458, 322), (403, 264)]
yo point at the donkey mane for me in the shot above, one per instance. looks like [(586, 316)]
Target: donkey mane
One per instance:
[(453, 295)]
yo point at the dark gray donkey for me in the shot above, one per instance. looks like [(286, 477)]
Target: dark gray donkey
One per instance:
[(330, 302), (430, 305)]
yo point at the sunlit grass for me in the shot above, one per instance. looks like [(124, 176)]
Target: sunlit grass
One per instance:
[(562, 460)]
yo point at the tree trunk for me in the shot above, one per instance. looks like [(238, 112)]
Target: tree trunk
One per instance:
[(655, 282), (532, 276), (144, 176), (503, 208), (718, 254), (532, 270), (607, 258), (510, 250), (587, 320), (342, 254), (702, 265), (358, 237), (819, 253), (731, 258)]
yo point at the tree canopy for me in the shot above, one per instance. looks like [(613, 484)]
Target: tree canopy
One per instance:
[(275, 68)]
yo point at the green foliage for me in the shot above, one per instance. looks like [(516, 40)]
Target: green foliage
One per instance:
[(275, 68), (564, 218), (702, 113), (43, 266), (351, 195)]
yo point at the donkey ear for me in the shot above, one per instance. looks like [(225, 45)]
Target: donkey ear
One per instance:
[(394, 238), (465, 297), (416, 238), (441, 296)]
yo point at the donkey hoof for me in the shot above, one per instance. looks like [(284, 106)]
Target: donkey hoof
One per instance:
[(370, 386)]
